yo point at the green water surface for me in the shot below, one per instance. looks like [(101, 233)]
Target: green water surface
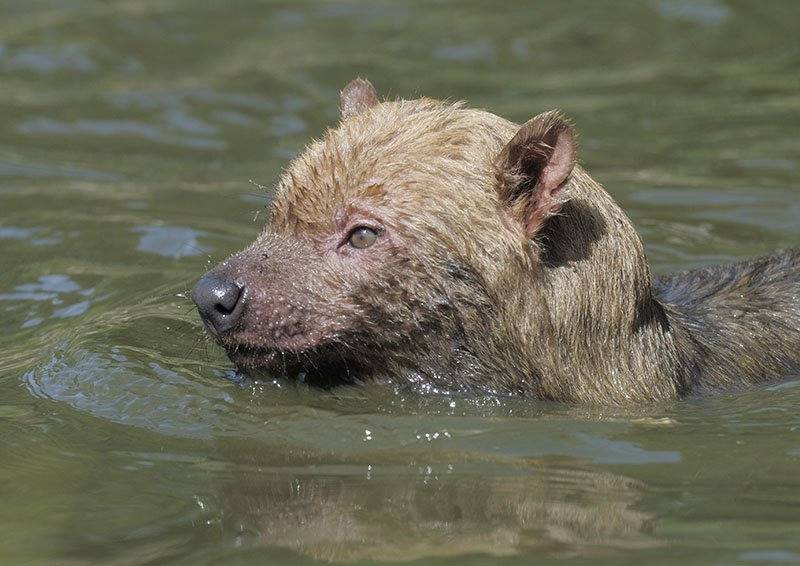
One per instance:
[(129, 134)]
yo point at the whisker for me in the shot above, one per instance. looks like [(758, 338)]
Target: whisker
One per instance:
[(260, 186), (338, 350), (195, 248)]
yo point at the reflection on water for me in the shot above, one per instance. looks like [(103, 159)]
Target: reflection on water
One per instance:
[(169, 241), (47, 59), (53, 296), (131, 133), (706, 13), (122, 390), (393, 515)]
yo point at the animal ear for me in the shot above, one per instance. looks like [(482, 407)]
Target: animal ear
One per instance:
[(357, 96), (533, 167)]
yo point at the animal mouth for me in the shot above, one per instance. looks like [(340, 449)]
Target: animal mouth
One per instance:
[(249, 357), (320, 365)]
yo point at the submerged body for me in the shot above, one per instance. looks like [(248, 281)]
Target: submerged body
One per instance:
[(422, 242), (741, 321)]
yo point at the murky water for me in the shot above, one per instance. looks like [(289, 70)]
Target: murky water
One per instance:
[(129, 133)]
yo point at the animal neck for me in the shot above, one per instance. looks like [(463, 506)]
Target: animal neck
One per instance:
[(613, 340)]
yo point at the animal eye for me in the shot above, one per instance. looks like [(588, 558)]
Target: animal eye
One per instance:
[(362, 237)]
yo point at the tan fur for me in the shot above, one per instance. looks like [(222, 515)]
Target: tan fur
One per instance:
[(466, 289)]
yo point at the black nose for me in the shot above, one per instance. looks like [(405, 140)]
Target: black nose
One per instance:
[(219, 301)]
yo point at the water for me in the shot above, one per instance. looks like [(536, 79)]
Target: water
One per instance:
[(129, 134)]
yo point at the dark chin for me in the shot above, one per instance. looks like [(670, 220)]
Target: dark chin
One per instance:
[(251, 358), (318, 367)]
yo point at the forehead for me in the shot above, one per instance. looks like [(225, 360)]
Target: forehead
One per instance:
[(395, 151)]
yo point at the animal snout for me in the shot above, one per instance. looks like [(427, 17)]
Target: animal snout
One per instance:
[(220, 302)]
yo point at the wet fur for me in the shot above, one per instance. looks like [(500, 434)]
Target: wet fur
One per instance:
[(477, 286)]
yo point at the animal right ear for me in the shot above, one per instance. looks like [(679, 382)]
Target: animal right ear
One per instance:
[(357, 96), (533, 167)]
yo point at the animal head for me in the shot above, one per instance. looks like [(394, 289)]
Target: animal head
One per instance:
[(392, 239)]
